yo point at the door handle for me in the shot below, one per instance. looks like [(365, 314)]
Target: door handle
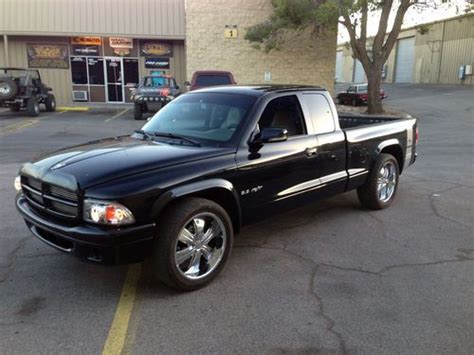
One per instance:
[(311, 151)]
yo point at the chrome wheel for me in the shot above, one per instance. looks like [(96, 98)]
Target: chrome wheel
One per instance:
[(387, 181), (200, 246)]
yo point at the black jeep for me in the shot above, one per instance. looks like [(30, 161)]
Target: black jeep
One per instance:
[(154, 92), (22, 88)]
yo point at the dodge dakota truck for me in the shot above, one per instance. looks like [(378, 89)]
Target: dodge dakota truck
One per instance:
[(212, 160)]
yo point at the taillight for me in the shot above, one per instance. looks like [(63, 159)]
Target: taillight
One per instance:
[(417, 136)]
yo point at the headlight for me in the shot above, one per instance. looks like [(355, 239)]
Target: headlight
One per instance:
[(17, 184), (104, 212)]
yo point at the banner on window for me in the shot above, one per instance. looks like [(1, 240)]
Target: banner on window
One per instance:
[(121, 42), (48, 56), (154, 48), (87, 41), (157, 63)]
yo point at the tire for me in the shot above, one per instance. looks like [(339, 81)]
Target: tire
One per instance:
[(138, 112), (172, 243), (8, 88), (32, 107), (50, 103), (15, 107), (372, 194)]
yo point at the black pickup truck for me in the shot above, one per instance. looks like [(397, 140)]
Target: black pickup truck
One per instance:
[(212, 160)]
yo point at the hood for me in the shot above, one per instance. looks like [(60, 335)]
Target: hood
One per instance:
[(100, 161)]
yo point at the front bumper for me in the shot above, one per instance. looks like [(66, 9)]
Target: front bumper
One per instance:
[(88, 242)]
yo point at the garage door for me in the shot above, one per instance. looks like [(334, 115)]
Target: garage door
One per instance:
[(339, 66), (359, 74), (404, 60)]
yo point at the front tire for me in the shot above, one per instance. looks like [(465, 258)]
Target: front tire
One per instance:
[(50, 103), (193, 243), (381, 186), (32, 107), (138, 112)]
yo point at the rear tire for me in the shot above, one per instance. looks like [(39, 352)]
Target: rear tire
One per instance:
[(50, 103), (381, 186), (138, 112), (32, 107), (182, 258)]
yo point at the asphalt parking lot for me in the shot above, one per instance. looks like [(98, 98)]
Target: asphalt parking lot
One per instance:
[(328, 278)]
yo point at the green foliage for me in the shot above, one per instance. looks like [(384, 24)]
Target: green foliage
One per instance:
[(295, 15)]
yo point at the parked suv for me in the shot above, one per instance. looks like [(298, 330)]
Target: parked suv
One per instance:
[(154, 92), (206, 78), (23, 88)]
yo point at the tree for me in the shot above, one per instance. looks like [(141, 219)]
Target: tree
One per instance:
[(324, 15)]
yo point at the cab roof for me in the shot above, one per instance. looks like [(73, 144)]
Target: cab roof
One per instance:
[(258, 90)]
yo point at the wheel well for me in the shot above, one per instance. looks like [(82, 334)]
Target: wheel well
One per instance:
[(397, 152), (222, 197)]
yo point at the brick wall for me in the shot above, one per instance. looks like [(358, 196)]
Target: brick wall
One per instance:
[(303, 60)]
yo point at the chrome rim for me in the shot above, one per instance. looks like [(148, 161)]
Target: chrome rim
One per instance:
[(386, 181), (200, 246)]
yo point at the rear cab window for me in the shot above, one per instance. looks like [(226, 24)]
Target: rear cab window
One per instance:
[(320, 112), (213, 80)]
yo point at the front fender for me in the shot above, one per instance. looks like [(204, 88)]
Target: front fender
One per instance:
[(197, 188)]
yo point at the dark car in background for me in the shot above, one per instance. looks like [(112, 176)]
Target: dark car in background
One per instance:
[(206, 78), (356, 95), (154, 92), (23, 89)]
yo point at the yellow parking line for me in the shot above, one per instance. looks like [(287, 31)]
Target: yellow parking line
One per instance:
[(118, 331), (72, 108), (15, 127), (117, 115)]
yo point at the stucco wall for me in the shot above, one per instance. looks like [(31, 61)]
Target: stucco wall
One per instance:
[(303, 60)]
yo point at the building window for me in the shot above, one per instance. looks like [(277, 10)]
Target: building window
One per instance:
[(96, 71), (79, 70), (130, 71)]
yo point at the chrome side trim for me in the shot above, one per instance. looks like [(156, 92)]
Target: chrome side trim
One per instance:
[(312, 184), (357, 172)]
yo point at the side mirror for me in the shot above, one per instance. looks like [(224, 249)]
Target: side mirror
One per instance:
[(271, 135)]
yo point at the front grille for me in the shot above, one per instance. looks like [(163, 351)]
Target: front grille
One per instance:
[(50, 199)]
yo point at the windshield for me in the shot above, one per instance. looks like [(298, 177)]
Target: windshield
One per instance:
[(210, 118), (156, 81), (213, 80)]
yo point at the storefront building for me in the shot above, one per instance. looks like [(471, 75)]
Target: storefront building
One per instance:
[(94, 51)]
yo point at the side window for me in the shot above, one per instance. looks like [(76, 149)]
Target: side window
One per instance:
[(284, 112), (320, 113)]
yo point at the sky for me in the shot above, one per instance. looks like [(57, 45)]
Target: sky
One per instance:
[(434, 10)]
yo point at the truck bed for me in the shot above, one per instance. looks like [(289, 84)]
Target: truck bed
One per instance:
[(347, 120)]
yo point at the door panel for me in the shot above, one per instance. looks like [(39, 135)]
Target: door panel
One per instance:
[(275, 177)]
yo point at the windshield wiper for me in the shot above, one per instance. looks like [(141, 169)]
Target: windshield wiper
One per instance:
[(145, 133), (175, 136)]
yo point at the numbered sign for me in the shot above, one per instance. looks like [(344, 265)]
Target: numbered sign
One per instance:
[(230, 33)]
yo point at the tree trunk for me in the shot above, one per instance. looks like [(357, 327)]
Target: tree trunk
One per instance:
[(374, 101)]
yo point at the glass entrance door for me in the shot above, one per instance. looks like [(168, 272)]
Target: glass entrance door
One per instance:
[(114, 71)]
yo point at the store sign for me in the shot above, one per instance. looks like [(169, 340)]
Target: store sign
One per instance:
[(87, 41), (162, 49), (47, 56), (121, 42), (157, 63), (85, 50)]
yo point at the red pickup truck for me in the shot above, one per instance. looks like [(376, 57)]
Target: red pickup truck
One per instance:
[(206, 78), (356, 95)]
